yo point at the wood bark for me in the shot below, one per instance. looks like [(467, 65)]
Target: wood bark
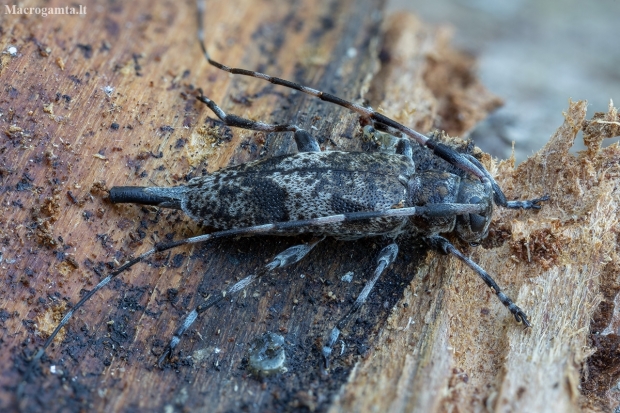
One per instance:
[(108, 98)]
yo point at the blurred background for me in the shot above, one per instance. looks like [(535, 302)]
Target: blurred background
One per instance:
[(534, 54)]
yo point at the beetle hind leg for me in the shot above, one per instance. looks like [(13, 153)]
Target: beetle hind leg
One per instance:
[(305, 142), (287, 257), (386, 257)]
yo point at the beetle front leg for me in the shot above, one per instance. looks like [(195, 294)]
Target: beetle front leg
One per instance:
[(386, 257), (444, 246)]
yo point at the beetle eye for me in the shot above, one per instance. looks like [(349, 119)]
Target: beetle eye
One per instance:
[(477, 222)]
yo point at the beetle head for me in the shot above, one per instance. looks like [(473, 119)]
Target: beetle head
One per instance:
[(474, 227)]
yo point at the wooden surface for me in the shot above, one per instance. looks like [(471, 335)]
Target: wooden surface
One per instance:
[(432, 337)]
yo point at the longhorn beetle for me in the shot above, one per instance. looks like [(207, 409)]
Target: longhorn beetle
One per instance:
[(345, 195)]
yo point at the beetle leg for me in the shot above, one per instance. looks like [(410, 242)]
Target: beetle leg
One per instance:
[(444, 246), (386, 257), (305, 142), (284, 259)]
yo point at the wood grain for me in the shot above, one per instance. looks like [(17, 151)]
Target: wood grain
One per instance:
[(431, 338)]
